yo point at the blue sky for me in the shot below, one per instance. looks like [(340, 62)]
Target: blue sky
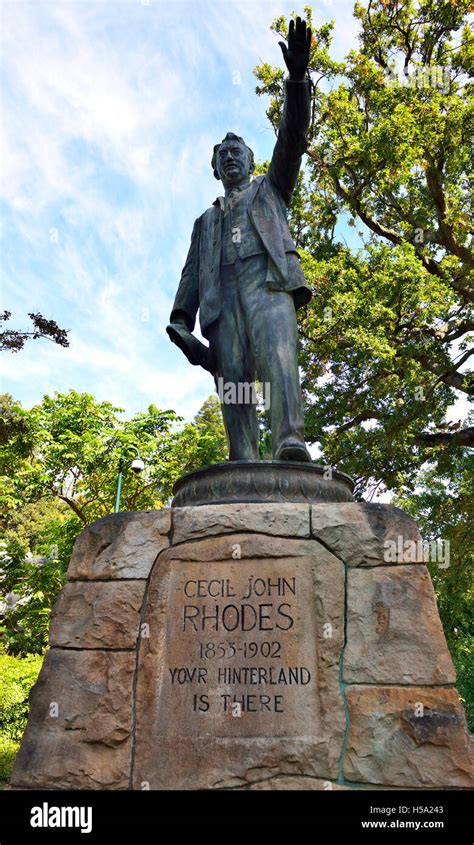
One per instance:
[(110, 111)]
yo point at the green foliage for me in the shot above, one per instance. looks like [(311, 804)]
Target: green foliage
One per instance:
[(196, 445), (8, 752), (68, 448), (17, 438), (35, 581), (369, 333), (462, 652), (17, 676)]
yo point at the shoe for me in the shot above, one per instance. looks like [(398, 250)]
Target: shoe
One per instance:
[(293, 452)]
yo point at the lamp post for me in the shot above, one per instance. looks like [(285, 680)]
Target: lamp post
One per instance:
[(137, 467)]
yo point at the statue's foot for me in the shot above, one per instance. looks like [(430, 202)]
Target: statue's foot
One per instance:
[(293, 452)]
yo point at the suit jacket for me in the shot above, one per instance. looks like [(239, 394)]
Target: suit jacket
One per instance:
[(199, 287)]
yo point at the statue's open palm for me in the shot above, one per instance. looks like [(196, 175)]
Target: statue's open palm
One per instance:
[(296, 54)]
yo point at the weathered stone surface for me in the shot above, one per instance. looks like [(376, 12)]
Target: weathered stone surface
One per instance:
[(278, 519), (390, 744), (394, 634), (121, 545), (97, 614), (87, 745), (229, 546), (208, 622), (367, 534), (296, 784)]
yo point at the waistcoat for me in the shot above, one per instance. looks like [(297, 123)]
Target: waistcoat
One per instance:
[(239, 235)]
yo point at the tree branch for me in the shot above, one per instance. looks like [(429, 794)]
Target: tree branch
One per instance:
[(435, 187), (451, 377), (77, 510), (363, 416), (464, 437)]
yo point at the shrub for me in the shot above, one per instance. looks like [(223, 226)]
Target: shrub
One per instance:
[(17, 676), (8, 752)]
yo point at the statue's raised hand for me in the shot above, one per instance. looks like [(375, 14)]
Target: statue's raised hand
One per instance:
[(296, 54)]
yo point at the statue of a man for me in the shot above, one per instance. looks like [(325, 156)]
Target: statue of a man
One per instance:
[(243, 274)]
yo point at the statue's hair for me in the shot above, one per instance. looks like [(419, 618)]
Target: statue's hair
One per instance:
[(231, 137)]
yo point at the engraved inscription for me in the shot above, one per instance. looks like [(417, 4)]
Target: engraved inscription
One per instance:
[(241, 648)]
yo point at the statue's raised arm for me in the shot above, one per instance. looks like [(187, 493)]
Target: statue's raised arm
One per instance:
[(291, 142)]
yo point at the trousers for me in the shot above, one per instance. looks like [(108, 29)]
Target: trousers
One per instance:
[(256, 334)]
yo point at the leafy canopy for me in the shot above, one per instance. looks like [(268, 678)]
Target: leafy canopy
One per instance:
[(385, 339)]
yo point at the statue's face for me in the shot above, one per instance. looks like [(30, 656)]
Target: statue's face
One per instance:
[(232, 163)]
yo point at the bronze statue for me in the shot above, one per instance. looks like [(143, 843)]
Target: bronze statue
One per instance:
[(243, 274)]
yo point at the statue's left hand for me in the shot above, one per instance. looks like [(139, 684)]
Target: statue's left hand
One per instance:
[(296, 54), (196, 352)]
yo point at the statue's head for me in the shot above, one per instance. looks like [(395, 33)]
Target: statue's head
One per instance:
[(232, 160)]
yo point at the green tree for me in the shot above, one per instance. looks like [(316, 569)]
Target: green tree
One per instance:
[(209, 435), (34, 556), (17, 437), (385, 340), (68, 447)]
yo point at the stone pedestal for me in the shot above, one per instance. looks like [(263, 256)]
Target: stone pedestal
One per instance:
[(261, 646)]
